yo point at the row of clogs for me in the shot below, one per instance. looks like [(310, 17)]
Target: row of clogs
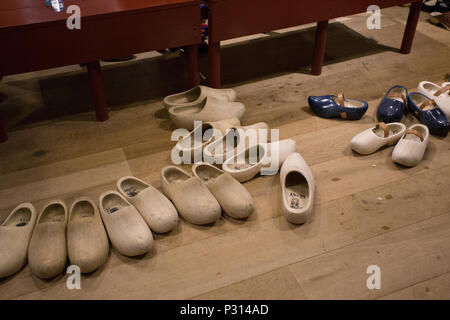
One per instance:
[(431, 106), (410, 144), (202, 104), (127, 216)]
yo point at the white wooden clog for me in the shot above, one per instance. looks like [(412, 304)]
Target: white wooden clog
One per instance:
[(382, 134), (47, 254), (297, 185), (232, 196), (246, 164), (87, 241), (159, 213), (439, 93), (208, 109), (411, 147), (237, 138), (196, 95), (127, 230), (15, 235), (191, 197), (265, 158), (203, 134)]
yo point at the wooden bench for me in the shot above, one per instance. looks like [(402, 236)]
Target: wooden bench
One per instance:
[(34, 37), (230, 19)]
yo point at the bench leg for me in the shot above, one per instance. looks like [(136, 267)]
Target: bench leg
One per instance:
[(97, 90), (411, 25), (192, 61), (3, 134), (319, 47), (214, 65)]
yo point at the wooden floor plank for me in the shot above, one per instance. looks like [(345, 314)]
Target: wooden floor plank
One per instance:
[(405, 256), (277, 284), (436, 288)]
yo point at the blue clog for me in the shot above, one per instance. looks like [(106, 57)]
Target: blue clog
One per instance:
[(428, 113), (392, 105), (331, 106)]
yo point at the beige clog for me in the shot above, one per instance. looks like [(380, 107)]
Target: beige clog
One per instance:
[(127, 230), (237, 138), (191, 197), (203, 134), (297, 184), (87, 241), (232, 196), (159, 213), (15, 235), (264, 158), (196, 95), (246, 164), (47, 254), (209, 109)]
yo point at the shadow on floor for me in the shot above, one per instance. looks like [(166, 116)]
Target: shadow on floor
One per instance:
[(292, 52), (151, 79)]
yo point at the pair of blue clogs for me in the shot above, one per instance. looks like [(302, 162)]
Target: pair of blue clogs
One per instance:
[(331, 106), (397, 100)]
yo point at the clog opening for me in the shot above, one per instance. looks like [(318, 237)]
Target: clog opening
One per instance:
[(82, 209), (132, 187), (393, 129), (413, 137), (419, 99), (19, 218), (350, 103), (397, 94), (247, 159), (112, 203), (207, 173), (53, 213), (186, 97), (190, 109), (431, 87), (296, 190), (174, 175)]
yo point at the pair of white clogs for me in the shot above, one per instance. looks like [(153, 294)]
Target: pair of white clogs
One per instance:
[(48, 238), (201, 198), (410, 143), (439, 93), (202, 104)]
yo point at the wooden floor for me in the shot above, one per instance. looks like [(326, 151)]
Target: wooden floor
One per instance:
[(368, 211)]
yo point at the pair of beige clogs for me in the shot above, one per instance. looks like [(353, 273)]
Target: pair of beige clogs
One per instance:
[(201, 198), (202, 104)]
